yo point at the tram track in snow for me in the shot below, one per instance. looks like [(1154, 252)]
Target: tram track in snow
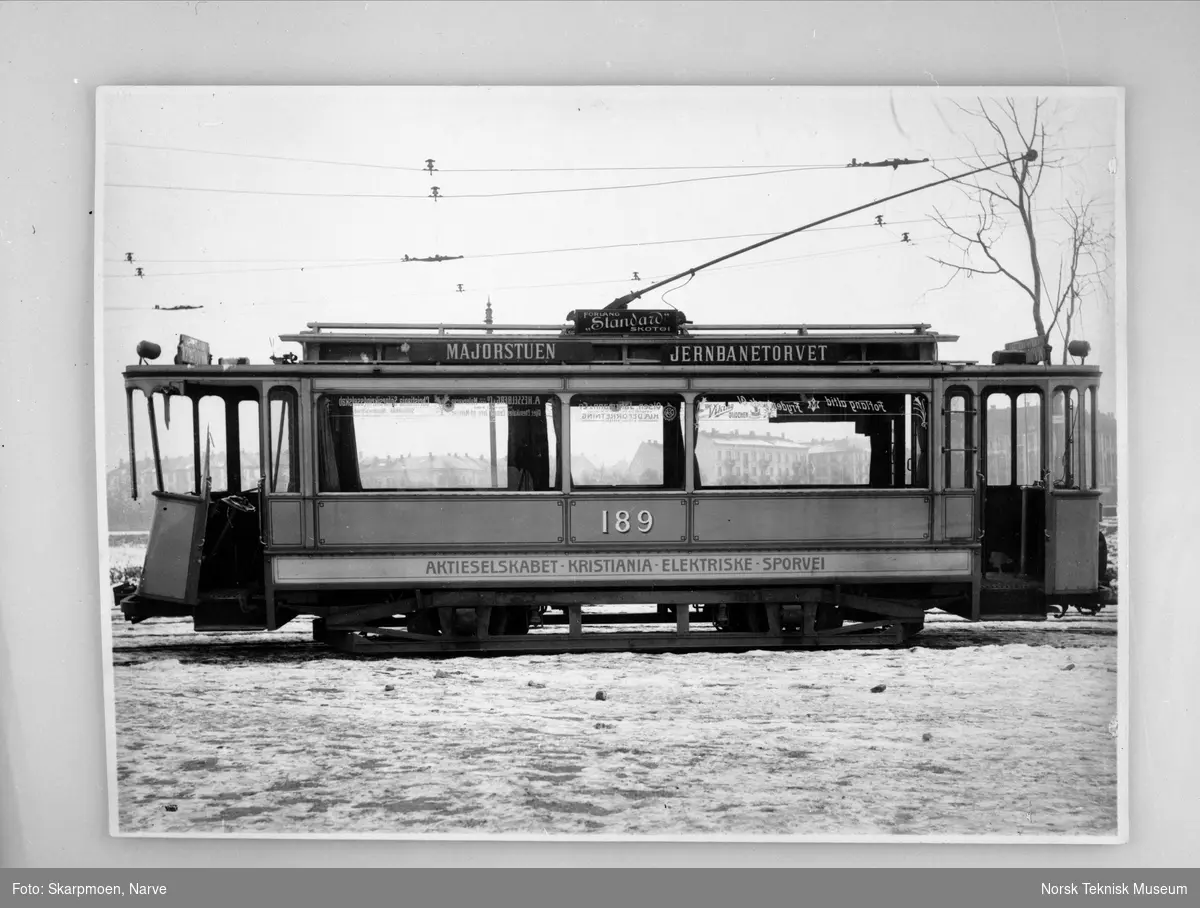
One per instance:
[(133, 645)]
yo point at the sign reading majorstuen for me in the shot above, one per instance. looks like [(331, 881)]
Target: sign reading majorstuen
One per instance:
[(500, 352)]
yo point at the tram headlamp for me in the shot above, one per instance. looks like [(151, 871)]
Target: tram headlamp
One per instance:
[(148, 350)]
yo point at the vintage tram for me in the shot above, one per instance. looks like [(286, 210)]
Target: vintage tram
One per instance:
[(472, 489)]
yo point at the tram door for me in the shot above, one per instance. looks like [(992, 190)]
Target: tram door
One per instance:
[(286, 514), (1012, 490), (204, 548), (1073, 513)]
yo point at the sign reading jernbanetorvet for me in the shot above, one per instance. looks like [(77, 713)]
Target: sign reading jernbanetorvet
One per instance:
[(758, 353), (500, 351)]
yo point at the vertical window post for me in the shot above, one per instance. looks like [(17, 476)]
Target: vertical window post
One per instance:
[(197, 467), (154, 440), (233, 457), (133, 478)]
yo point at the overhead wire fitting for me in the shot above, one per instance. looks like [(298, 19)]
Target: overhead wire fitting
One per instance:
[(894, 163)]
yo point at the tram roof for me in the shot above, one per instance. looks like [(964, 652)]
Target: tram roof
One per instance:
[(616, 337), (656, 341)]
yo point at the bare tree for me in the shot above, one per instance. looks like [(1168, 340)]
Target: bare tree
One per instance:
[(1081, 267), (1009, 191)]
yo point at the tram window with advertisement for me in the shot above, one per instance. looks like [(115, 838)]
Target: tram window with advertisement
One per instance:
[(627, 442), (871, 440), (438, 442)]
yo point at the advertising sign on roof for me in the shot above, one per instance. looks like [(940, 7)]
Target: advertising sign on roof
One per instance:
[(1034, 348), (627, 321), (1030, 343), (192, 352)]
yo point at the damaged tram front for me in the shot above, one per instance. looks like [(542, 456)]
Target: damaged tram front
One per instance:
[(624, 481)]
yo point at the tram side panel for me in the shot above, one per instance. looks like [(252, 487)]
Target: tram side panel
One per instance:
[(741, 539)]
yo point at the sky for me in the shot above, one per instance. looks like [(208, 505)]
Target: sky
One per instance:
[(275, 207)]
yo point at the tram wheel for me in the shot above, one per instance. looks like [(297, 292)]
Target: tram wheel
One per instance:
[(829, 617), (517, 620), (749, 618), (508, 619), (424, 621)]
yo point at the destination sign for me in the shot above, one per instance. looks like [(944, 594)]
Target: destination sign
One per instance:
[(500, 351), (192, 352), (760, 353), (501, 569), (628, 321)]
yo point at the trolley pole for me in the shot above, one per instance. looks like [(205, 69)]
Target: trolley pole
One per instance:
[(487, 320)]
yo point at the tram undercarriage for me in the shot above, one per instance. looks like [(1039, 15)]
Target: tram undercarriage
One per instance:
[(481, 623)]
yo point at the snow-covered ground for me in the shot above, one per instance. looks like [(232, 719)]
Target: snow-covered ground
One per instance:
[(993, 728)]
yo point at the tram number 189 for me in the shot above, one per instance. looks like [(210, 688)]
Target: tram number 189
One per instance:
[(621, 521)]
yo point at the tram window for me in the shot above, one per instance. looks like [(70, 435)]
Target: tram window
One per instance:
[(173, 426), (1073, 426), (627, 442), (1029, 437), (999, 440), (1013, 427), (959, 442), (1078, 433), (1087, 440), (212, 441), (878, 440), (248, 444), (1063, 417), (395, 442), (281, 435)]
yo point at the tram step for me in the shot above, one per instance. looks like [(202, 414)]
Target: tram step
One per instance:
[(231, 611)]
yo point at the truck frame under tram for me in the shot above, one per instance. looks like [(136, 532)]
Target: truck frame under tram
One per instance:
[(626, 480)]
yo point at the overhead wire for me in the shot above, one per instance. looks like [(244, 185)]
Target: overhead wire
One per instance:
[(314, 263), (602, 169), (452, 196), (593, 283)]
